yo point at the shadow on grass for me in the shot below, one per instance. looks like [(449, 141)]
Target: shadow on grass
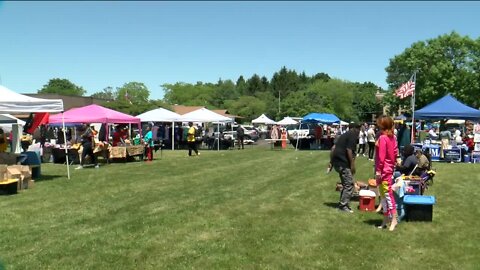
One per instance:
[(48, 177), (373, 222), (331, 204)]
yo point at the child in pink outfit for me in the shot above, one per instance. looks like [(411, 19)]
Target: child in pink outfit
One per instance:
[(386, 154)]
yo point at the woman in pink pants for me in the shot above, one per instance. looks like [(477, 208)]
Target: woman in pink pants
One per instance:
[(387, 152)]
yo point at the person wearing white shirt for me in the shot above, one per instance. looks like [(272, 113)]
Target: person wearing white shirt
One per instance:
[(371, 141), (433, 135)]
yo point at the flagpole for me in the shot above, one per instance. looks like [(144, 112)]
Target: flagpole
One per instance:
[(413, 108)]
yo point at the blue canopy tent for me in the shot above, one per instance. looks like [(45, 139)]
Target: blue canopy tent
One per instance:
[(324, 118), (447, 107)]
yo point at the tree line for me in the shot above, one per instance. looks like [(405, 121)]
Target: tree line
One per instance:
[(449, 63)]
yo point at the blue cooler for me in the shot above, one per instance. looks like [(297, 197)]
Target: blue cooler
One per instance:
[(418, 207)]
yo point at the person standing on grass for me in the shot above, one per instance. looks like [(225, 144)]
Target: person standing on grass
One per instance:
[(240, 136), (342, 158), (371, 142), (192, 144), (362, 141), (148, 140), (387, 153), (87, 145)]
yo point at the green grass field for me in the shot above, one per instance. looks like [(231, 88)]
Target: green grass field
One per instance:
[(250, 209)]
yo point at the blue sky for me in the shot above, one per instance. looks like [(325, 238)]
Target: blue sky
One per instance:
[(100, 44)]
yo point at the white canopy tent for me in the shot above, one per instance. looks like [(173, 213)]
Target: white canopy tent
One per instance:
[(263, 119), (160, 115), (12, 102), (287, 121), (205, 116)]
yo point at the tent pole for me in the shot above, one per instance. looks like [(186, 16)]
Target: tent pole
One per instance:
[(66, 150), (173, 135), (412, 139)]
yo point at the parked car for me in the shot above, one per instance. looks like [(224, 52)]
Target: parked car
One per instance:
[(302, 131), (302, 135), (250, 133)]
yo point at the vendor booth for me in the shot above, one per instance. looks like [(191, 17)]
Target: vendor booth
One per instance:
[(446, 107), (161, 115), (204, 115), (98, 114), (13, 102), (316, 119)]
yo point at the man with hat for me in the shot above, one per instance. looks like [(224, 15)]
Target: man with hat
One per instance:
[(342, 158)]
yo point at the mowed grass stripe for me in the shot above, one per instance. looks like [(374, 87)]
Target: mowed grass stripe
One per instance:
[(237, 209)]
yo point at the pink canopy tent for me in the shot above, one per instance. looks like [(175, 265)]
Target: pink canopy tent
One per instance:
[(94, 114)]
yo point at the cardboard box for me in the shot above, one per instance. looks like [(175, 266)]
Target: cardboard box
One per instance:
[(13, 172), (26, 172), (3, 172)]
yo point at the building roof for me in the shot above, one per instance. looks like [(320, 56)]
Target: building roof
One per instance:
[(70, 102), (182, 109)]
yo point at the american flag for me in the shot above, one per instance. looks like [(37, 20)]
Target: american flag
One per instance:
[(405, 90)]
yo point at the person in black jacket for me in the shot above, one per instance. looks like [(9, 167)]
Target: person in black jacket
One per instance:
[(240, 136), (87, 144), (409, 162), (342, 159)]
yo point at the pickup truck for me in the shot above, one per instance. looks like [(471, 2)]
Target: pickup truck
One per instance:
[(302, 135)]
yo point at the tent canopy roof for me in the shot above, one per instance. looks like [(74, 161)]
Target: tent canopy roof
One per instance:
[(287, 121), (203, 115), (94, 114), (447, 107), (325, 118), (10, 119), (158, 115), (263, 119), (13, 102)]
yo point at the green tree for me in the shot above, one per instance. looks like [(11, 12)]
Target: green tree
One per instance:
[(247, 106), (241, 86), (449, 63), (321, 76), (62, 87), (334, 96), (107, 93), (254, 85), (190, 95), (365, 103), (224, 90), (133, 92)]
